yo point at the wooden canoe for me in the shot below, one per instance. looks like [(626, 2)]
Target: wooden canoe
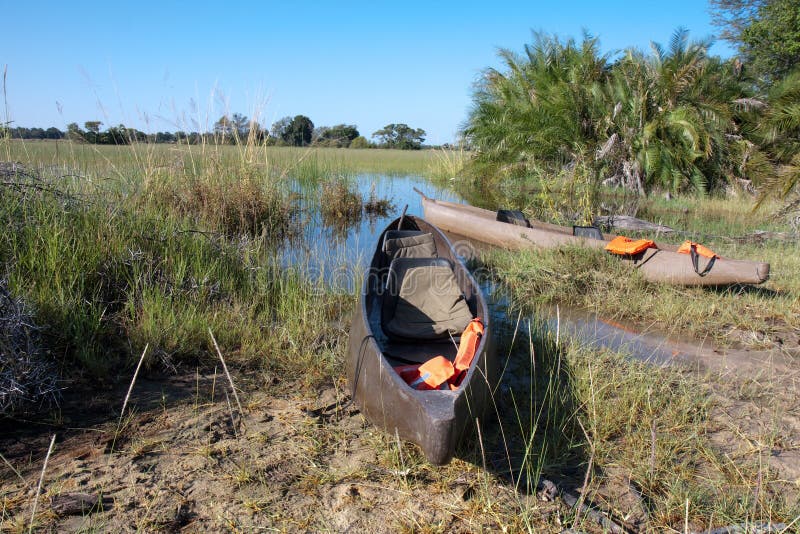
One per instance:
[(657, 265), (434, 420)]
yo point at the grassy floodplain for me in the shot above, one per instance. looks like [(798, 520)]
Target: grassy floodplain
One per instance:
[(119, 247), (145, 159), (118, 243)]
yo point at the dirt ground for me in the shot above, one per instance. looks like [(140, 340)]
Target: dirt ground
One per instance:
[(185, 462), (186, 459), (756, 415)]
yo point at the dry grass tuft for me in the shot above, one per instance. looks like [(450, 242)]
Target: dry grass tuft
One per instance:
[(233, 206), (377, 207), (340, 200), (26, 378)]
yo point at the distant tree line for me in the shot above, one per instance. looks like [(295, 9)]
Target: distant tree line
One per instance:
[(91, 133), (237, 128), (35, 133), (300, 131)]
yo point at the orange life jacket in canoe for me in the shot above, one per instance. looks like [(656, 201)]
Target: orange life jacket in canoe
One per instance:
[(432, 374), (470, 339), (625, 246), (441, 373), (686, 248)]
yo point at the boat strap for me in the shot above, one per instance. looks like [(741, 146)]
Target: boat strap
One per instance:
[(695, 250), (696, 260), (404, 361)]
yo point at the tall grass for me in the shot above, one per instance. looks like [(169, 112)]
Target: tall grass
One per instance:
[(592, 280), (235, 205), (159, 249), (139, 160), (339, 200), (447, 165)]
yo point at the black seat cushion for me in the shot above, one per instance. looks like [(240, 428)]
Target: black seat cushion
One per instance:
[(589, 232), (513, 217)]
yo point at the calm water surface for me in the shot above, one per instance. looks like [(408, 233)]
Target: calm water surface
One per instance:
[(338, 254)]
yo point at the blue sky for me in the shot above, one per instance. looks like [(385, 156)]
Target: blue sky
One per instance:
[(170, 65)]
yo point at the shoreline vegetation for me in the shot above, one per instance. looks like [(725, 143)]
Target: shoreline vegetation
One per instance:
[(116, 248)]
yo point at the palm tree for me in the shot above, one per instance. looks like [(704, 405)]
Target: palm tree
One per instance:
[(778, 133), (539, 112), (666, 120), (669, 122)]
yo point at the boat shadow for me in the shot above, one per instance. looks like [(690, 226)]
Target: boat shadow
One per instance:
[(746, 289), (529, 431)]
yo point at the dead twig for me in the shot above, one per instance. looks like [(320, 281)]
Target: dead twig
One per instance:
[(128, 396), (133, 381), (233, 419), (12, 468), (41, 479), (586, 477), (228, 374)]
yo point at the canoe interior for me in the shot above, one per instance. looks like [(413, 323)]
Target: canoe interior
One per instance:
[(435, 420), (399, 352)]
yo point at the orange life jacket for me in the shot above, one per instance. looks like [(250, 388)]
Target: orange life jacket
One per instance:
[(432, 374), (626, 246), (441, 373), (686, 248), (467, 348)]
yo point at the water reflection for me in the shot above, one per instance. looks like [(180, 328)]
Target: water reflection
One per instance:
[(338, 250), (590, 329)]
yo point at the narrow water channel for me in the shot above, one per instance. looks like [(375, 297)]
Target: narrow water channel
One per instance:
[(339, 254)]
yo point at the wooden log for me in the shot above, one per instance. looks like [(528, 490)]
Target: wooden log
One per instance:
[(626, 222)]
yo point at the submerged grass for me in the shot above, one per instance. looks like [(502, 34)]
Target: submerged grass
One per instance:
[(377, 207), (339, 200)]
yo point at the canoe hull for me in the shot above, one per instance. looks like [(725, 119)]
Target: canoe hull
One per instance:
[(656, 265), (434, 420)]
